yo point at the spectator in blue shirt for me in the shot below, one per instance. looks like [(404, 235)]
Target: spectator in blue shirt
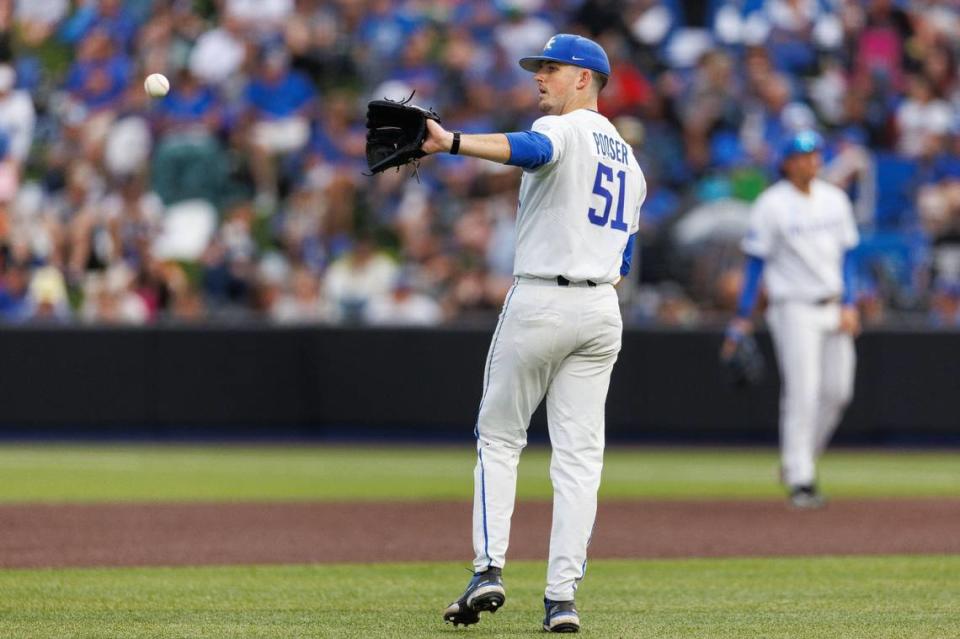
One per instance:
[(99, 76), (415, 68), (13, 294), (385, 29), (279, 102), (97, 85), (109, 16), (339, 137), (190, 107)]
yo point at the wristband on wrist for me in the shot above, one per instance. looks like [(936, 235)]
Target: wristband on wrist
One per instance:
[(455, 147), (733, 333)]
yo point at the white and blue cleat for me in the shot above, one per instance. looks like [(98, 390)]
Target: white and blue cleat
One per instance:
[(484, 593), (560, 616)]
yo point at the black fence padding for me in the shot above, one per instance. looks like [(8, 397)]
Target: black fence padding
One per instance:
[(667, 385)]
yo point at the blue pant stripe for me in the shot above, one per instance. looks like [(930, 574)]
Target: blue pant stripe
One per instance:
[(483, 501), (583, 566), (476, 428)]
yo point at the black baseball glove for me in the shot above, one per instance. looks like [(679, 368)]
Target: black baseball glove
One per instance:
[(395, 133), (745, 366)]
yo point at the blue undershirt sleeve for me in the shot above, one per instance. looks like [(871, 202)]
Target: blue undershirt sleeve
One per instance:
[(848, 270), (628, 255), (529, 149), (752, 271)]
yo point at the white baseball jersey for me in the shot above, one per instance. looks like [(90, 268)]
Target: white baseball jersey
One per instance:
[(802, 239), (576, 215)]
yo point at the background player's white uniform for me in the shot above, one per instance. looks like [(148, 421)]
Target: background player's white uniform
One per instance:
[(575, 216), (802, 239)]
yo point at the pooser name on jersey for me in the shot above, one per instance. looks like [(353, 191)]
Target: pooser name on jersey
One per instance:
[(611, 149)]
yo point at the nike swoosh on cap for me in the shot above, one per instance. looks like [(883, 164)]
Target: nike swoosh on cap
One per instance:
[(573, 57)]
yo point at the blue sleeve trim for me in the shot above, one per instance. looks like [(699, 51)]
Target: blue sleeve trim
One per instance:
[(529, 149), (752, 271), (849, 267), (628, 255)]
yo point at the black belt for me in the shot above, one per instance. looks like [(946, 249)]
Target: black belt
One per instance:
[(820, 301), (562, 281)]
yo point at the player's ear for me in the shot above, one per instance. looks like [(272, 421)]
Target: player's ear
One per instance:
[(584, 78)]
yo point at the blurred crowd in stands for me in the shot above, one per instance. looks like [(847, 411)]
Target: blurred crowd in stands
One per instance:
[(241, 194)]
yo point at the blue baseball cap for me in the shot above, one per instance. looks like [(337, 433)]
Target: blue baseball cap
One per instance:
[(806, 141), (570, 49)]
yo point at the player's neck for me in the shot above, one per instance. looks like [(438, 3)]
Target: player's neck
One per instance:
[(578, 102), (804, 186)]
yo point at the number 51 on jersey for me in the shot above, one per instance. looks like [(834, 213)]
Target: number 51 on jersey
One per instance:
[(605, 176)]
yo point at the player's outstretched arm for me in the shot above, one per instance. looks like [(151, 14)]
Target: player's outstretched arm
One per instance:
[(488, 146)]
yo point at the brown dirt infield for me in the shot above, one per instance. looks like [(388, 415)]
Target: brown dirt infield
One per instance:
[(247, 533)]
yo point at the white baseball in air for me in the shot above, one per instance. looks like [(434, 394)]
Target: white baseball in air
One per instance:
[(156, 85)]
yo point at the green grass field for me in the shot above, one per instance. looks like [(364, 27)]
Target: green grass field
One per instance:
[(196, 473), (795, 598), (823, 598)]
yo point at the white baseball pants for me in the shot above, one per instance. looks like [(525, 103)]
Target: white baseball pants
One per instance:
[(558, 342), (817, 364)]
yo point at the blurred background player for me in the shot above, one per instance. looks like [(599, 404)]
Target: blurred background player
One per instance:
[(801, 233)]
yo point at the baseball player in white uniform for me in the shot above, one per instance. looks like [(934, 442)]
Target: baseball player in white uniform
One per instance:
[(560, 328), (801, 233)]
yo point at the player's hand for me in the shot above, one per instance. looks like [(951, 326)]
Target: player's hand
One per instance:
[(439, 140), (850, 320), (737, 328)]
